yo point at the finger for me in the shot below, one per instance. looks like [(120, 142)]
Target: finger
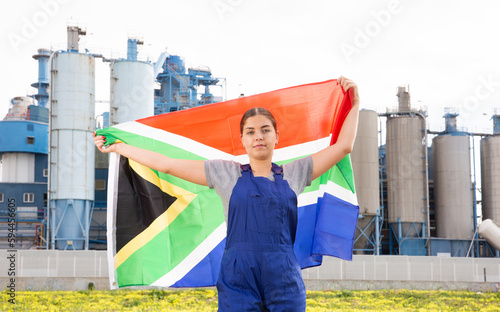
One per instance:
[(346, 83), (349, 85), (346, 86), (340, 80)]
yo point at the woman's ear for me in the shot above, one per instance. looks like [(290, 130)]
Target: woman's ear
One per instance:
[(277, 137)]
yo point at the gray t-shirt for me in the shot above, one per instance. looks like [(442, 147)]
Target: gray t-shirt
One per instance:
[(222, 176)]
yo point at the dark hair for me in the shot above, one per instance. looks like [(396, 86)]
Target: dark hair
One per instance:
[(254, 112)]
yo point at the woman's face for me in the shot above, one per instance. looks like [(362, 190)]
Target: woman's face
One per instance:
[(259, 137)]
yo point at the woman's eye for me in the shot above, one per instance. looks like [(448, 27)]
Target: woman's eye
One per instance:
[(266, 130), (250, 132)]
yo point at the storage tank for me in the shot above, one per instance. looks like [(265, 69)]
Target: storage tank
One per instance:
[(491, 232), (72, 121), (490, 173), (405, 160), (364, 159), (132, 91), (452, 186)]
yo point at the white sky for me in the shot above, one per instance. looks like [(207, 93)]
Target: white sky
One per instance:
[(443, 49)]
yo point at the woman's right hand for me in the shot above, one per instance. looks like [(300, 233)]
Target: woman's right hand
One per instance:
[(99, 142)]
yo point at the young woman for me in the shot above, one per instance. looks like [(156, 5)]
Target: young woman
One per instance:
[(259, 271)]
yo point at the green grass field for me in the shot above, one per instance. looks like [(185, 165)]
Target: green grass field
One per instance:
[(205, 299)]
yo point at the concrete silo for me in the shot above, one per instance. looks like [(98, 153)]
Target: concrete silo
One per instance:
[(364, 159), (406, 170), (490, 173), (132, 87), (453, 194), (71, 155)]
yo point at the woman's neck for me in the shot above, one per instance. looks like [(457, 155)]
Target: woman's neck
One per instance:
[(261, 168)]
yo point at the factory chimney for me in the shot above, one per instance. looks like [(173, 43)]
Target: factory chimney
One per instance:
[(404, 98)]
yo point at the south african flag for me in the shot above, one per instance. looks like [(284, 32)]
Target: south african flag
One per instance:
[(164, 231)]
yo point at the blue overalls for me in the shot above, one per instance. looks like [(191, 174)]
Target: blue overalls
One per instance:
[(259, 271)]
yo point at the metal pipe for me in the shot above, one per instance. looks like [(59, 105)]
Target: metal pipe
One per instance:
[(423, 228), (400, 230), (50, 216), (472, 242), (474, 193), (49, 201), (87, 223), (377, 235), (381, 181)]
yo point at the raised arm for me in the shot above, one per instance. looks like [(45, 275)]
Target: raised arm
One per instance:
[(328, 157), (189, 170)]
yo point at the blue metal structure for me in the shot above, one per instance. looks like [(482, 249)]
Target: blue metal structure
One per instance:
[(409, 245), (450, 118), (372, 236), (496, 123), (24, 136), (105, 119), (43, 77), (25, 145), (132, 49), (179, 90)]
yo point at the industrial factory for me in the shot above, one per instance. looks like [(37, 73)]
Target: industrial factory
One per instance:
[(417, 188), (426, 189)]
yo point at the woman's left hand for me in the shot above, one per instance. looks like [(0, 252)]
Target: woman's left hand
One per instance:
[(347, 84)]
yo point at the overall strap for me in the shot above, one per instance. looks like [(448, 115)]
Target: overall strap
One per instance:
[(245, 168), (278, 172)]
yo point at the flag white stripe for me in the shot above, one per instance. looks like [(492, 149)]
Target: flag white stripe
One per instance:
[(111, 216), (174, 139), (198, 254), (208, 152), (300, 150), (332, 188)]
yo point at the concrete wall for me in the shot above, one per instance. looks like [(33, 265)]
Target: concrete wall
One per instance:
[(74, 270), (407, 268)]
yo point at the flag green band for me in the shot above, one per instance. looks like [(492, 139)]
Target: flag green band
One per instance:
[(179, 235)]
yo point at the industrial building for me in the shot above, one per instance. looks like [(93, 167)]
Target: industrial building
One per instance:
[(417, 193), (427, 188), (50, 165)]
